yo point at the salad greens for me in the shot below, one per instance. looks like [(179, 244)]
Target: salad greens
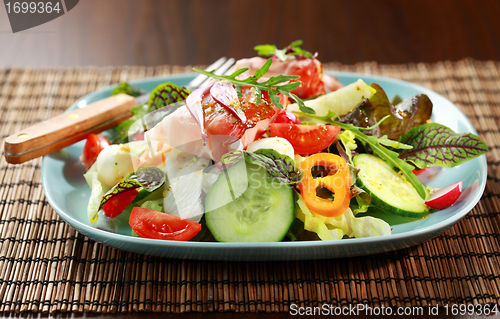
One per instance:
[(148, 178), (270, 85), (292, 50), (437, 145), (128, 89), (278, 167)]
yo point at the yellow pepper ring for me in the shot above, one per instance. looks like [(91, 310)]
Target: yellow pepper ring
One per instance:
[(337, 181)]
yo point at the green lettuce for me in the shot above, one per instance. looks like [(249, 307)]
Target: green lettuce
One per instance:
[(334, 228)]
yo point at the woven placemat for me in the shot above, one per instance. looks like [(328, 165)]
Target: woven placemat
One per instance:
[(46, 266)]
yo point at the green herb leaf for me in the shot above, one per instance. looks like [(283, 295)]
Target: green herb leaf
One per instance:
[(292, 50), (271, 85), (126, 88), (390, 157), (437, 145), (279, 167), (148, 178)]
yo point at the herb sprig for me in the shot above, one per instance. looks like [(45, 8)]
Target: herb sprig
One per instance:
[(289, 51), (271, 85)]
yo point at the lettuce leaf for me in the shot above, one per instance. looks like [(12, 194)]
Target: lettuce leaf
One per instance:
[(437, 145), (334, 228), (409, 113), (97, 192), (126, 88)]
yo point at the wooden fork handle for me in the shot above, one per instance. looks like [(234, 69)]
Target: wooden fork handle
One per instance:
[(68, 128)]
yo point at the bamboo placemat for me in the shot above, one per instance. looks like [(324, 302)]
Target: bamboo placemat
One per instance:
[(46, 266)]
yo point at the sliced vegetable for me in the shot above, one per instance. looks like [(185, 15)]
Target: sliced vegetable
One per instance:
[(93, 146), (117, 204), (285, 116), (306, 139), (225, 93), (389, 191), (446, 196), (387, 155), (339, 102), (437, 145), (337, 180), (244, 206), (149, 223), (278, 144)]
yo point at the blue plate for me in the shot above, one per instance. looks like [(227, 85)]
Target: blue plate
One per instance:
[(68, 193)]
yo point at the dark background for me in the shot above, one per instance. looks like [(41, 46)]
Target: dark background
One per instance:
[(154, 32)]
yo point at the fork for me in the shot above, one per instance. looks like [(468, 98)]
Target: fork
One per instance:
[(68, 128)]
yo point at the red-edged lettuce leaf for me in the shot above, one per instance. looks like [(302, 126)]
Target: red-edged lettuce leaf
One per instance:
[(166, 94), (437, 145), (279, 167), (409, 113), (148, 178)]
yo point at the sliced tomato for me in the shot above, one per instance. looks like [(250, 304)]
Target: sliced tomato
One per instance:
[(285, 116), (117, 204), (149, 223), (306, 139), (94, 145)]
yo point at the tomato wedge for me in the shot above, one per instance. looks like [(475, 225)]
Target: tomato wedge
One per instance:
[(149, 223), (94, 145), (306, 139), (117, 204)]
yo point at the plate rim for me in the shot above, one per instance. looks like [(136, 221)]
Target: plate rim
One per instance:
[(441, 226)]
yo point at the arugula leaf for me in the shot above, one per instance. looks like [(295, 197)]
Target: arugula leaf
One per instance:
[(390, 157), (279, 167), (148, 178), (126, 88), (291, 50), (271, 85), (437, 145)]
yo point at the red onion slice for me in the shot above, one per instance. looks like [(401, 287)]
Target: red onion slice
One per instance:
[(193, 104), (225, 94)]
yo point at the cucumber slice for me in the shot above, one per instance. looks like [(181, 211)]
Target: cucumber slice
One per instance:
[(243, 206), (390, 192)]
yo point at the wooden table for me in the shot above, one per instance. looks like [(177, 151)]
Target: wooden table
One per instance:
[(188, 32)]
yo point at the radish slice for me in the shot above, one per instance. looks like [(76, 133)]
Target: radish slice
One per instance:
[(446, 196), (193, 104), (225, 93)]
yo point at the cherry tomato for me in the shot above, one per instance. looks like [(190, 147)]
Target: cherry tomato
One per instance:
[(149, 223), (306, 139), (117, 204), (287, 117), (94, 145)]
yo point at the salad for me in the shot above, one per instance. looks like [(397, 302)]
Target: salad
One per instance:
[(275, 151)]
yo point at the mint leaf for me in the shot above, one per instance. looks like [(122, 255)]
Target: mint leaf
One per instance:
[(148, 178), (279, 167), (437, 145), (271, 85), (390, 157)]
